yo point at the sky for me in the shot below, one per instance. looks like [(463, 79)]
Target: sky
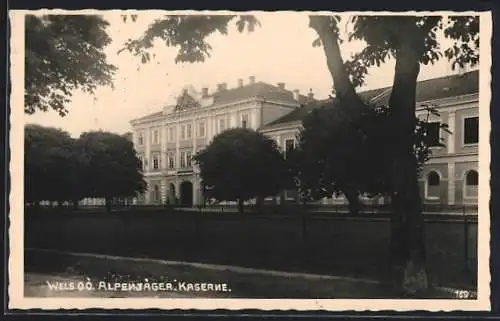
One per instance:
[(279, 51)]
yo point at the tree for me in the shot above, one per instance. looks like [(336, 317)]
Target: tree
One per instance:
[(256, 166), (411, 40), (111, 167), (335, 156), (63, 53), (51, 166)]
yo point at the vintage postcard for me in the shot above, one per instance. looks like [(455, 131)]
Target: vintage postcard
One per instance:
[(286, 160)]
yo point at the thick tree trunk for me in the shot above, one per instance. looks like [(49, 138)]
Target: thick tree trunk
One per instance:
[(353, 200), (407, 239), (344, 88), (241, 205)]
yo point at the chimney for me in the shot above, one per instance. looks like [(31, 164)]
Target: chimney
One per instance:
[(281, 85), (185, 91), (240, 82), (252, 80), (222, 86), (296, 95), (310, 95), (204, 92)]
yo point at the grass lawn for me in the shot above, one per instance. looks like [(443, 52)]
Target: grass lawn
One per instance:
[(332, 246)]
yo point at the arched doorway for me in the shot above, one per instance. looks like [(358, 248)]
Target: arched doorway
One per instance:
[(433, 186), (171, 193), (186, 190)]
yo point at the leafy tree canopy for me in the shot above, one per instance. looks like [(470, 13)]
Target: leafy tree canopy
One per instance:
[(51, 166), (382, 35), (64, 53), (336, 156), (187, 32), (111, 166), (241, 164)]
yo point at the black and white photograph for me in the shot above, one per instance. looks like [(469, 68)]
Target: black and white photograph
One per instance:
[(250, 160)]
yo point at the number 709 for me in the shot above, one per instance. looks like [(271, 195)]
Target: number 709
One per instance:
[(462, 294)]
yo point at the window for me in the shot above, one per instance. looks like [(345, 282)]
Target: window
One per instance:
[(156, 161), (222, 125), (188, 131), (183, 132), (432, 187), (140, 138), (432, 131), (183, 159), (156, 136), (201, 129), (171, 160), (433, 179), (289, 145), (244, 121), (472, 178), (471, 184), (471, 130), (171, 134), (141, 161)]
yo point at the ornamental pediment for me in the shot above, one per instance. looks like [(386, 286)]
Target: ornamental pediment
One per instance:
[(186, 101)]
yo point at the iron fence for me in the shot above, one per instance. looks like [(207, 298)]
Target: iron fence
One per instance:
[(460, 227)]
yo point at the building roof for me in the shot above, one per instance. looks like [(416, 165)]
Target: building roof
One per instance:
[(297, 114), (149, 116), (431, 89), (258, 90)]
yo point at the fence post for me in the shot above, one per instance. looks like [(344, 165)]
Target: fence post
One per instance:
[(198, 230), (466, 238), (200, 223), (303, 232)]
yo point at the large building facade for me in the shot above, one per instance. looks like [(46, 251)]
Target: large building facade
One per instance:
[(165, 141)]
